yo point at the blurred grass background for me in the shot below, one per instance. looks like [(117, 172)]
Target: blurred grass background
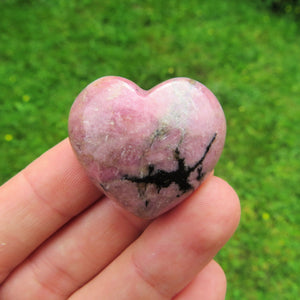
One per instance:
[(246, 52)]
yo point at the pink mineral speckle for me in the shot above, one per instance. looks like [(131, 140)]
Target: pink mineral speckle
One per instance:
[(147, 150)]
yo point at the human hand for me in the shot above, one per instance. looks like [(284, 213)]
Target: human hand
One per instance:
[(61, 238)]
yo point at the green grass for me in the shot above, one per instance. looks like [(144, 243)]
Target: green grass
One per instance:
[(50, 50)]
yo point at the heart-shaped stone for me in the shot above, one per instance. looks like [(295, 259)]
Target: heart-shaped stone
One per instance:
[(147, 150)]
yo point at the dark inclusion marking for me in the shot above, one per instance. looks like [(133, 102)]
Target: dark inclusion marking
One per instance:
[(102, 186), (163, 179)]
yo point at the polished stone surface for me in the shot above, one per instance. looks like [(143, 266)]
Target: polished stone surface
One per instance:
[(147, 150)]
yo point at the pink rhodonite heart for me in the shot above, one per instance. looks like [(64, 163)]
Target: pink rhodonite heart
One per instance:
[(147, 150)]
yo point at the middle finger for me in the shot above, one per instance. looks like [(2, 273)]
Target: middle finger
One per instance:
[(75, 254)]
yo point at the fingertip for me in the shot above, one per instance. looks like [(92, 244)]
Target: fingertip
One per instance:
[(219, 275), (233, 204), (215, 190)]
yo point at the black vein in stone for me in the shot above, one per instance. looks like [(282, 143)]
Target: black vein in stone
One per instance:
[(163, 179)]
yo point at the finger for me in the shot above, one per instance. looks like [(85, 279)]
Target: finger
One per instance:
[(62, 263), (172, 250), (75, 254), (39, 200), (209, 284)]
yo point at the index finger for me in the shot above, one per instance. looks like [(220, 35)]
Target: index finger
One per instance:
[(38, 201)]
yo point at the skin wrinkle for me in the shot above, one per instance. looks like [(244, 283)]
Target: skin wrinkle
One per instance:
[(83, 248), (139, 271), (43, 200), (5, 270), (81, 253), (107, 233), (44, 285), (72, 175), (157, 280)]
